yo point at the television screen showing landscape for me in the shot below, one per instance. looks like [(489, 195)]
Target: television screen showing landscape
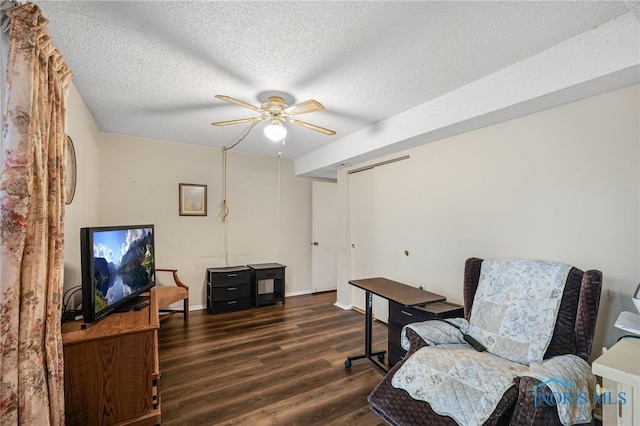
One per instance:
[(123, 264)]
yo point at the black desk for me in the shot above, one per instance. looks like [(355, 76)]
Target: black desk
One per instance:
[(390, 290)]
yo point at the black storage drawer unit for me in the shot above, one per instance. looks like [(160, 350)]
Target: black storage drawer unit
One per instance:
[(394, 331), (222, 306), (400, 315), (273, 271), (263, 272), (230, 292), (228, 289), (232, 275), (403, 315)]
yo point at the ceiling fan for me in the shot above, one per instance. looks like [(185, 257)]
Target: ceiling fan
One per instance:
[(277, 112)]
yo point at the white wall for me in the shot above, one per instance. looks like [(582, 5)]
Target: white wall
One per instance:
[(561, 184), (270, 208), (128, 180), (83, 210)]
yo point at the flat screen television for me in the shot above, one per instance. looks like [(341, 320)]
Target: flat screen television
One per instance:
[(118, 263)]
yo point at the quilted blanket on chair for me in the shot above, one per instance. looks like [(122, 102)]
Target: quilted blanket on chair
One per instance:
[(458, 381), (572, 387), (514, 313), (516, 305)]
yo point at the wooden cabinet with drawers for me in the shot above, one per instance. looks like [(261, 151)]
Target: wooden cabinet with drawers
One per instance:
[(228, 289), (400, 315), (111, 369)]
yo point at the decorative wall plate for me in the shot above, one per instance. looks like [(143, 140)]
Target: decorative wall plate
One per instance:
[(70, 181)]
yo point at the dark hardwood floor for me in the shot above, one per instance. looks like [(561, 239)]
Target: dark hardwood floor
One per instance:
[(275, 365)]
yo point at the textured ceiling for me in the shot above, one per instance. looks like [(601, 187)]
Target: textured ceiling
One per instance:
[(152, 68)]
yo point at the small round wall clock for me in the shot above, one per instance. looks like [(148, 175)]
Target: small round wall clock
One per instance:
[(70, 181)]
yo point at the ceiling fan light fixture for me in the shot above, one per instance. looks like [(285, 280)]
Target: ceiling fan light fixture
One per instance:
[(275, 112), (275, 131)]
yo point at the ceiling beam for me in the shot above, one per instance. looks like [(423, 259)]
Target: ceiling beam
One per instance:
[(601, 59)]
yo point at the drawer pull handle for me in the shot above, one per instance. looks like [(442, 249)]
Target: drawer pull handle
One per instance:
[(232, 275), (232, 288), (407, 313), (233, 302)]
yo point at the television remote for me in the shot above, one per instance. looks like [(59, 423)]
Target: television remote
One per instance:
[(474, 343)]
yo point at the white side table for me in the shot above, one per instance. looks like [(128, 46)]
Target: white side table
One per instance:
[(619, 368)]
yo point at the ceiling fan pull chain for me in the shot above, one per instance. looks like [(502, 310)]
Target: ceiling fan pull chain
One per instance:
[(223, 208)]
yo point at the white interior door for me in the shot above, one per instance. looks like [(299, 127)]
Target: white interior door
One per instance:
[(324, 268), (362, 210)]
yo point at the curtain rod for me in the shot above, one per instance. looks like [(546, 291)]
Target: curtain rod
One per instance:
[(382, 163)]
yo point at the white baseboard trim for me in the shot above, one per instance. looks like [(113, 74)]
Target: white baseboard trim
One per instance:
[(343, 306), (297, 293), (294, 293)]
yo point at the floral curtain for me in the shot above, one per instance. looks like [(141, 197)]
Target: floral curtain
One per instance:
[(32, 225)]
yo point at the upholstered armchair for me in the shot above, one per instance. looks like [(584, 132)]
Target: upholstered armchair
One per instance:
[(172, 293), (528, 351)]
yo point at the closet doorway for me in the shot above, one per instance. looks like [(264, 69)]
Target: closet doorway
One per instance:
[(324, 266), (363, 244)]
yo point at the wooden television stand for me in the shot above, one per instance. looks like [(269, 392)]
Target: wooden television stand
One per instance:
[(111, 369)]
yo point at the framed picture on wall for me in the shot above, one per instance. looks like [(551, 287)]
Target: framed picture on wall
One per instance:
[(192, 199)]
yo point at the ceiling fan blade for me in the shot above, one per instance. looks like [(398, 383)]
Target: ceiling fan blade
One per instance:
[(237, 102), (304, 107), (242, 120), (314, 127)]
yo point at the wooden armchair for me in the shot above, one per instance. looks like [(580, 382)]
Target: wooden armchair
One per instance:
[(169, 294)]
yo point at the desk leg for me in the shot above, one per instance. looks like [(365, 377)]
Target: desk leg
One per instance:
[(368, 339)]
